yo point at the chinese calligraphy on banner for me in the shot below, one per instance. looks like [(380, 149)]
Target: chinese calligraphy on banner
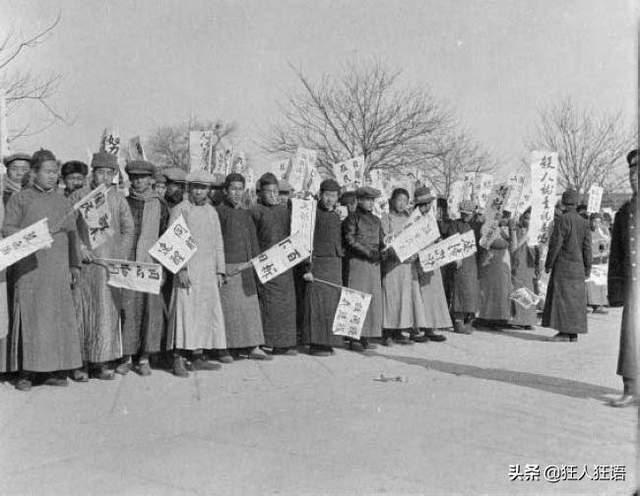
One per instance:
[(136, 276), (280, 169), (200, 151), (469, 185), (175, 247), (95, 212), (136, 152), (449, 250), (351, 313), (24, 243), (456, 194), (350, 173), (493, 214), (525, 298), (517, 182), (303, 220), (416, 236), (110, 142), (544, 170), (301, 164), (482, 189), (281, 257), (595, 198)]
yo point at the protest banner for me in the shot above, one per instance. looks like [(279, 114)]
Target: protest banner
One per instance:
[(482, 189), (525, 298), (94, 210), (456, 192), (595, 199), (451, 249), (110, 142), (469, 185), (351, 313), (249, 178), (493, 214), (175, 247), (24, 243), (4, 127), (516, 181), (544, 170), (280, 169), (525, 198), (135, 149), (200, 151), (136, 276), (303, 161), (303, 220), (598, 274), (415, 237), (280, 257), (350, 173), (313, 181)]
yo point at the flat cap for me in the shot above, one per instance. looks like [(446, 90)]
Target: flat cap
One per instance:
[(570, 197), (16, 156), (367, 192), (466, 207), (200, 177), (284, 186), (104, 160), (74, 167), (175, 174), (422, 195), (42, 155), (329, 185), (140, 167), (347, 198), (159, 177)]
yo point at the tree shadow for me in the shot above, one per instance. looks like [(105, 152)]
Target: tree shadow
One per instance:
[(541, 382)]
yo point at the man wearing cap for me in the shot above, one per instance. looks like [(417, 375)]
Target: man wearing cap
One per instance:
[(284, 192), (74, 173), (239, 297), (569, 261), (44, 337), (621, 258), (175, 183), (364, 243), (434, 301), (18, 165), (198, 324), (277, 297), (465, 274), (160, 183), (143, 326), (321, 300), (101, 304)]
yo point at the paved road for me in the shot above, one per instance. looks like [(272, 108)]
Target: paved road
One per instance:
[(469, 409)]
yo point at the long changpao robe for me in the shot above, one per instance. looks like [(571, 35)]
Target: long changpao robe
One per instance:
[(494, 279), (524, 260)]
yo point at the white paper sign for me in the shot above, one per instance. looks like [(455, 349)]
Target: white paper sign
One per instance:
[(303, 161), (280, 169), (469, 186), (303, 220), (136, 276), (493, 214), (544, 170), (281, 257), (94, 210), (175, 247), (136, 151), (350, 173), (456, 194), (414, 237), (110, 142), (516, 181), (595, 199), (351, 313), (200, 151), (482, 189), (524, 297), (525, 197), (24, 243), (456, 247)]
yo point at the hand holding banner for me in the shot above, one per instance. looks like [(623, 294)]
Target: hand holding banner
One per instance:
[(175, 247), (135, 276), (94, 210), (456, 247), (281, 257), (303, 220)]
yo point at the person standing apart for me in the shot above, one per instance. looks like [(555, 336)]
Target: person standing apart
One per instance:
[(525, 261)]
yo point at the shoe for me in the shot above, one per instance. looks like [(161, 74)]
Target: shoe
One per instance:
[(143, 369), (436, 338), (179, 369), (461, 328), (419, 337), (561, 338), (386, 341), (285, 351), (23, 385), (124, 368), (103, 374), (202, 364), (80, 375), (355, 345), (624, 401), (402, 340), (224, 357), (527, 328), (53, 380), (366, 344), (257, 354)]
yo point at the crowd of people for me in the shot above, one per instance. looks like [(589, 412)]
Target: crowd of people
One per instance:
[(63, 320)]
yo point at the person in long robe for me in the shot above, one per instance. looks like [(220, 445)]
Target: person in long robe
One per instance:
[(100, 303), (619, 280), (143, 324), (401, 299), (277, 297), (44, 336), (434, 299), (74, 175), (569, 261), (198, 324), (4, 311), (464, 274), (494, 280), (321, 300), (525, 271), (239, 296), (600, 245), (364, 245), (349, 202)]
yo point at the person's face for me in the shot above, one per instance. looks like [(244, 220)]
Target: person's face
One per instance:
[(633, 177), (269, 194), (234, 193), (329, 199), (47, 175), (351, 206), (399, 203), (366, 203), (424, 208), (73, 181), (283, 197), (198, 193), (175, 191), (103, 175), (160, 188), (17, 169), (141, 183), (525, 219)]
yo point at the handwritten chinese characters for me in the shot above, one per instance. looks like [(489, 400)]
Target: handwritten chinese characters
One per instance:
[(95, 212), (175, 247), (136, 276), (281, 257), (456, 247), (24, 243), (351, 313), (544, 169)]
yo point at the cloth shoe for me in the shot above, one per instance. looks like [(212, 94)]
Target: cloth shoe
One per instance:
[(561, 338), (80, 375), (432, 336), (143, 368), (201, 364), (624, 401), (179, 369), (55, 380), (224, 357), (23, 384), (103, 373), (257, 354)]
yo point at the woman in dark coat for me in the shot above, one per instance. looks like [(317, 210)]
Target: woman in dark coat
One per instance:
[(569, 261)]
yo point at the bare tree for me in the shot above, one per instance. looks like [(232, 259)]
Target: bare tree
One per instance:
[(362, 111), (168, 146), (591, 146), (24, 88)]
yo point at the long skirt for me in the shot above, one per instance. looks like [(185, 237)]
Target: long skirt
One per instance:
[(365, 276), (566, 303), (241, 309), (278, 310), (495, 287), (402, 306), (143, 323), (627, 361), (434, 301), (465, 286), (321, 301)]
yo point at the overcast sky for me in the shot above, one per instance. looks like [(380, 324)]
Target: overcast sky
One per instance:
[(142, 64)]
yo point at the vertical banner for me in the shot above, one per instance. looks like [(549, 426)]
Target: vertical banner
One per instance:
[(175, 247), (544, 171), (516, 181), (469, 181), (303, 220), (595, 199), (351, 313), (136, 152), (95, 212), (200, 151), (350, 173), (4, 127), (482, 189), (110, 141), (525, 197), (456, 193), (301, 164), (280, 169), (493, 214)]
